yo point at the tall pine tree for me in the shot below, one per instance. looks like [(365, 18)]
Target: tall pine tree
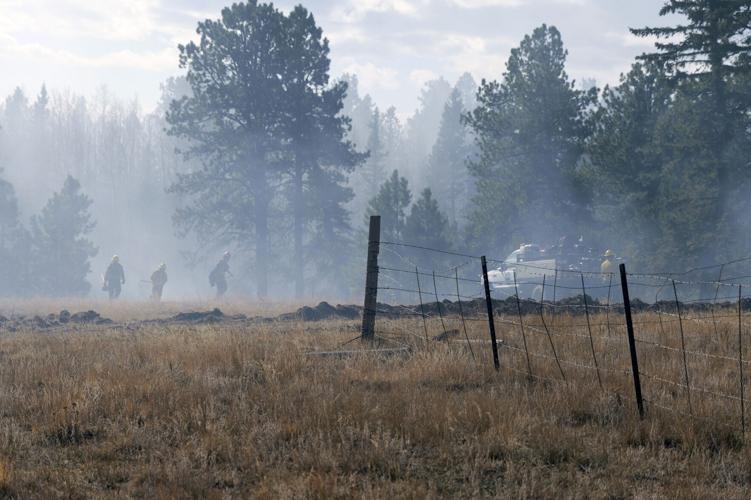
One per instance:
[(427, 226), (447, 162), (529, 129), (262, 114), (625, 161), (315, 131), (707, 52), (61, 251)]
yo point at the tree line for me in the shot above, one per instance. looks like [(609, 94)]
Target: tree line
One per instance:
[(283, 163)]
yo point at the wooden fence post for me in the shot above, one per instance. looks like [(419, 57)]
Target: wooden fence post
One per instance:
[(371, 279), (489, 304), (631, 341)]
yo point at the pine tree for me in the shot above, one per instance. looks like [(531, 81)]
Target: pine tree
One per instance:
[(467, 88), (422, 128), (391, 203), (273, 120), (359, 110), (315, 131), (626, 163), (61, 251), (529, 131), (41, 156), (709, 50), (446, 165), (391, 136), (426, 225), (15, 149), (14, 245), (374, 169)]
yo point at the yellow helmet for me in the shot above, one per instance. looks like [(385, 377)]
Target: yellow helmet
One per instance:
[(162, 266), (609, 253)]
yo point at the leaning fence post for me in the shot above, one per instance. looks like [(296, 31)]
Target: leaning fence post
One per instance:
[(683, 348), (589, 329), (714, 303), (371, 279), (521, 326), (489, 304), (461, 312), (631, 341), (547, 331)]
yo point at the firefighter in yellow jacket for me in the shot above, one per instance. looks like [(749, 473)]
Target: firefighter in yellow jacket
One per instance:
[(608, 264)]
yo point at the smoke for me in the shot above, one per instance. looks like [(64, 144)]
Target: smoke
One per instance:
[(124, 162)]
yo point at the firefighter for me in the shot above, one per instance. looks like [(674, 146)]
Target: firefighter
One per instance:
[(114, 278), (218, 276), (158, 280), (608, 263)]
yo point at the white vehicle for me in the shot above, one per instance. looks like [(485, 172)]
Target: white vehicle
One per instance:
[(560, 266), (524, 269)]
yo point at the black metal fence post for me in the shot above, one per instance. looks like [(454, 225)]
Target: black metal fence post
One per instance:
[(489, 304), (371, 279), (631, 341)]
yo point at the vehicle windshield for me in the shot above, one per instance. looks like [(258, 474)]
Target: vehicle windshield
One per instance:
[(512, 258)]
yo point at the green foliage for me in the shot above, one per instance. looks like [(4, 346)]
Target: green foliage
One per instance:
[(265, 123), (530, 130), (704, 131), (426, 225), (391, 203), (713, 40), (625, 163), (61, 251)]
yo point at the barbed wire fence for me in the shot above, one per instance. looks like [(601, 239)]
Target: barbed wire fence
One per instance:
[(664, 341)]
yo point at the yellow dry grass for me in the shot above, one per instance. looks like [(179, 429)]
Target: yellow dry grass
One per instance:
[(226, 410)]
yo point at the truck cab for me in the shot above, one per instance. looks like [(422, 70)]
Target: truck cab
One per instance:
[(523, 269)]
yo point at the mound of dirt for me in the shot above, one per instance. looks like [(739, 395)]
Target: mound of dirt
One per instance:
[(214, 316), (323, 311), (52, 321), (64, 316), (88, 317), (205, 317)]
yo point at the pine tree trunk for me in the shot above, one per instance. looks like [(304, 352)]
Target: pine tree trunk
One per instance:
[(299, 257), (262, 242)]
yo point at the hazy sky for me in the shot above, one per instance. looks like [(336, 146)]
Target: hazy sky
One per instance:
[(393, 45)]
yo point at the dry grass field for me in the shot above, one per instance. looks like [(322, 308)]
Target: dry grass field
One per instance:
[(219, 410)]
